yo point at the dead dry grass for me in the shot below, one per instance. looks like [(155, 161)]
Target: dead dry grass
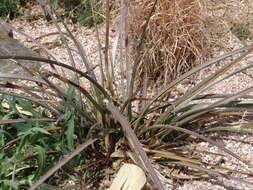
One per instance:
[(176, 38)]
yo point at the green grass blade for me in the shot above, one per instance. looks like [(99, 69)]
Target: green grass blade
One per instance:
[(70, 133), (61, 163), (41, 161), (39, 102)]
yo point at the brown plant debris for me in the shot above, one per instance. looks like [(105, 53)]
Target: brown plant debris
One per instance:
[(176, 38)]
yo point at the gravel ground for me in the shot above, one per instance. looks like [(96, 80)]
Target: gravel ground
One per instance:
[(38, 27)]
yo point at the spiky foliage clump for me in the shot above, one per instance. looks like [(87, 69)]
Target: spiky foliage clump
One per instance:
[(51, 133), (176, 39)]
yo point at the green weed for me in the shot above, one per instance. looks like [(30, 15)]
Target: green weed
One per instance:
[(85, 14), (9, 8), (241, 31)]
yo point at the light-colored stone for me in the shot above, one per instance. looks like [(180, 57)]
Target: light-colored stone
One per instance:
[(11, 46)]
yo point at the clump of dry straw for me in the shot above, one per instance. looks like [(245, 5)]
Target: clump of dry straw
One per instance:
[(176, 38)]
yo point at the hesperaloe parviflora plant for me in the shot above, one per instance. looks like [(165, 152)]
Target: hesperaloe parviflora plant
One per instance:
[(59, 128)]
